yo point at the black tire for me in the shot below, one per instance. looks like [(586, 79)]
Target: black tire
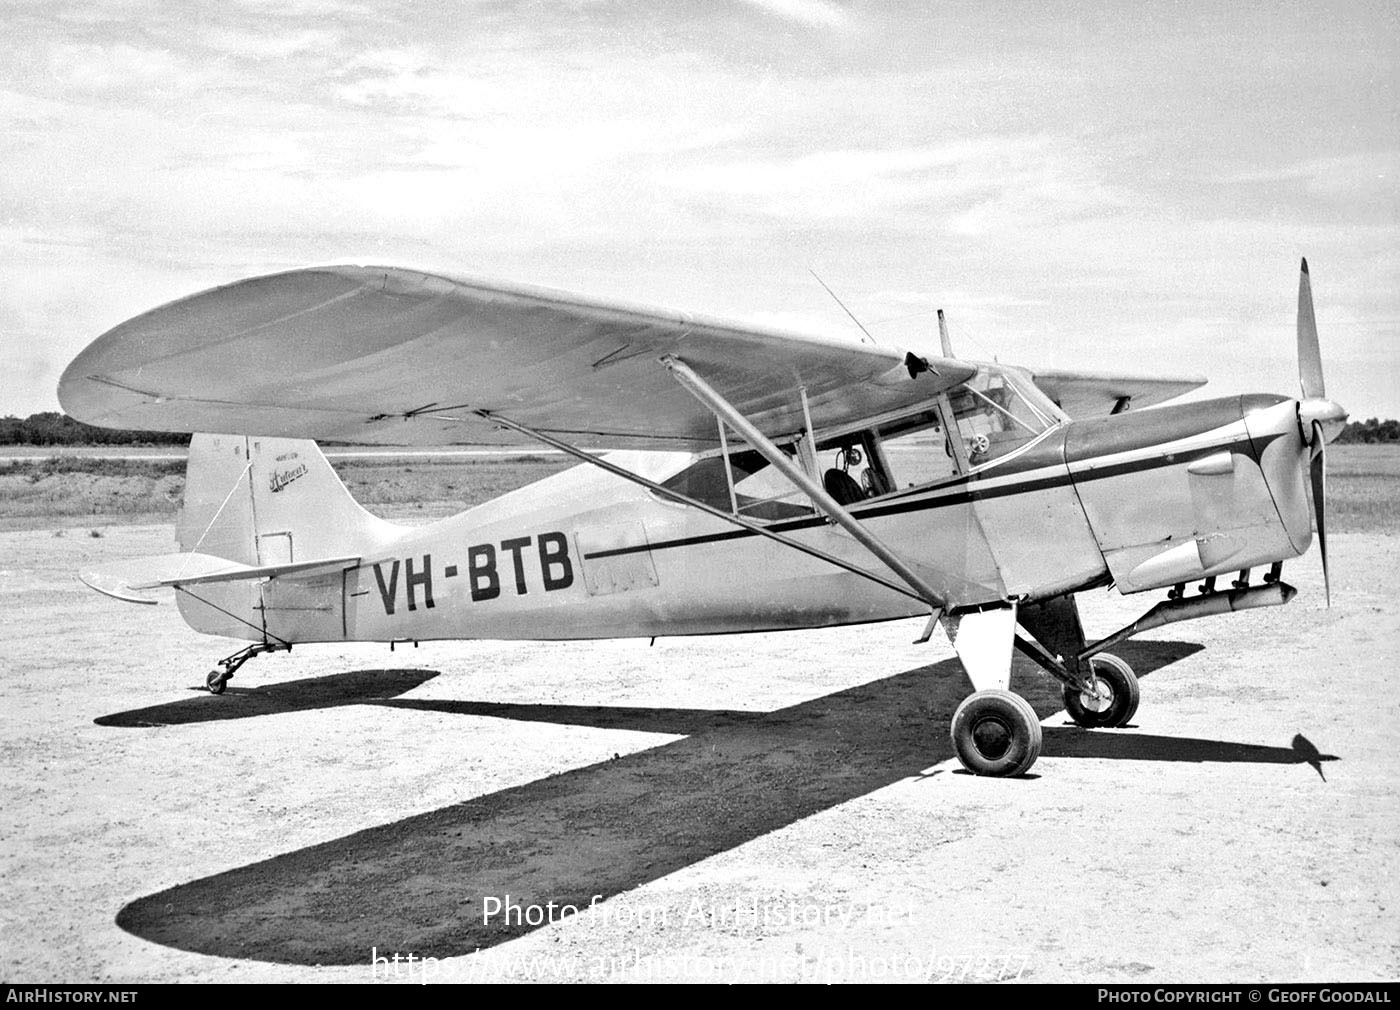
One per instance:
[(216, 682), (1122, 685), (996, 733)]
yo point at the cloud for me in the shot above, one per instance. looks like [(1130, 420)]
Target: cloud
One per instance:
[(817, 13), (117, 67), (969, 187), (242, 43), (404, 79), (1348, 176)]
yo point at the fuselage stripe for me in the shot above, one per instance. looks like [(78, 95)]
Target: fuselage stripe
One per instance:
[(1083, 471)]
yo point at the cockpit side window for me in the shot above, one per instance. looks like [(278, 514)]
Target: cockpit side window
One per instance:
[(916, 451), (910, 452), (849, 468), (992, 415)]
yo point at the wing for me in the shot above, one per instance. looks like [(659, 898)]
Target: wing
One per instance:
[(1093, 394), (389, 355)]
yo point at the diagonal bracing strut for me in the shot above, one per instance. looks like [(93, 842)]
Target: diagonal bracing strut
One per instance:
[(727, 412)]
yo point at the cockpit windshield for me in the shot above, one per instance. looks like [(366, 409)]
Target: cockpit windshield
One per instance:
[(996, 415), (993, 414)]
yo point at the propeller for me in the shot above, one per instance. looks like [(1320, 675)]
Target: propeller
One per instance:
[(1319, 418)]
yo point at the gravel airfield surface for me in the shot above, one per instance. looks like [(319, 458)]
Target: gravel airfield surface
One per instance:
[(748, 807)]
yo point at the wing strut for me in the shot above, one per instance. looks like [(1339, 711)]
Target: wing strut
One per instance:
[(685, 499), (726, 412)]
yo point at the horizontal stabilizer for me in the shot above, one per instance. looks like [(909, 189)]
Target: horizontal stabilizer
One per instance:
[(129, 580)]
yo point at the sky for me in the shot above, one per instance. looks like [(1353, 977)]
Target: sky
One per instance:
[(1122, 187)]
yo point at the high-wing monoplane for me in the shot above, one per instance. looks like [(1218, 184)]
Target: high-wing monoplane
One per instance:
[(753, 481)]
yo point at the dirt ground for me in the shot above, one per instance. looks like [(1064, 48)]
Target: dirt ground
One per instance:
[(748, 807)]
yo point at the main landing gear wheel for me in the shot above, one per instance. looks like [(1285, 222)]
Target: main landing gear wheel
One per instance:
[(996, 733), (1116, 700), (216, 681)]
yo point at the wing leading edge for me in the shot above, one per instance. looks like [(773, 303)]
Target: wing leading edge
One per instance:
[(1094, 394), (395, 356)]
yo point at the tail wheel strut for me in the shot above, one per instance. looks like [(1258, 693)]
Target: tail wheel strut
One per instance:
[(218, 678)]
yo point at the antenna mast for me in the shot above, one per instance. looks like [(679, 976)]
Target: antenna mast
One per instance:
[(843, 306)]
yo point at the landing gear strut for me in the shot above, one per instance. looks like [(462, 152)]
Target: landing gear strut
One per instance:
[(218, 678), (997, 733)]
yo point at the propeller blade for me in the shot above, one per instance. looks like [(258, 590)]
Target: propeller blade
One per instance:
[(1318, 471), (1309, 357)]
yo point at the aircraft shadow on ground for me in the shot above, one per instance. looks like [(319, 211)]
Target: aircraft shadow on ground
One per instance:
[(1071, 741), (419, 884), (359, 687)]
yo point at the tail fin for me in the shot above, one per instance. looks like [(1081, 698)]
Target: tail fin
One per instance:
[(266, 502), (269, 501)]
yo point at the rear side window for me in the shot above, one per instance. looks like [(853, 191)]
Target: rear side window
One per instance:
[(761, 491)]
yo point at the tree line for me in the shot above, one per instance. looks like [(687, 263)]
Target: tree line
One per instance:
[(1371, 430), (53, 428)]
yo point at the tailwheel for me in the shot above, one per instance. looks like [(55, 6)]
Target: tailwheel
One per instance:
[(996, 733), (218, 678), (1113, 703)]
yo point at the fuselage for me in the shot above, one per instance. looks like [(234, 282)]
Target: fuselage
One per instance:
[(1140, 500)]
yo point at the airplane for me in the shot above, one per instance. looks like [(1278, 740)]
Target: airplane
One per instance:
[(737, 479)]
